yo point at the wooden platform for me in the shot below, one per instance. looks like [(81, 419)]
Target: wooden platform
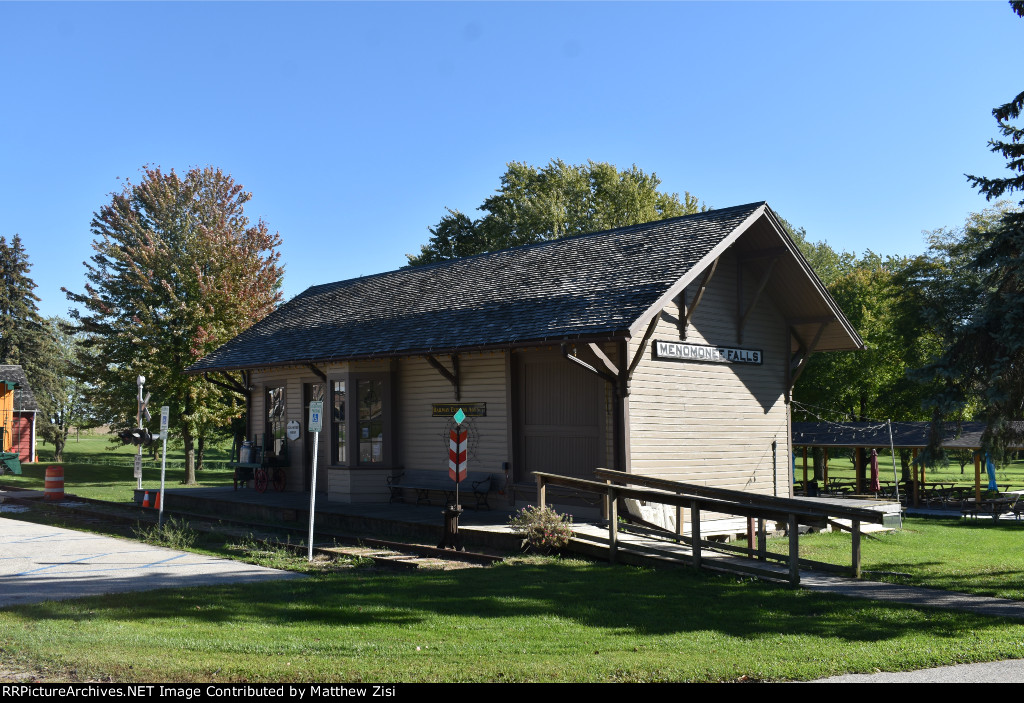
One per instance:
[(479, 528)]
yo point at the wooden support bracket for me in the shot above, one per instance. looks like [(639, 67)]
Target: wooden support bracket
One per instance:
[(599, 353), (802, 363), (452, 376), (643, 343), (232, 383), (688, 310), (612, 379), (744, 315)]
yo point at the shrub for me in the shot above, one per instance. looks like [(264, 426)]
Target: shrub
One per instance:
[(543, 529)]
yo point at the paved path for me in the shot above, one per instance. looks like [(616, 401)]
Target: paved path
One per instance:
[(39, 562), (1011, 671), (912, 595)]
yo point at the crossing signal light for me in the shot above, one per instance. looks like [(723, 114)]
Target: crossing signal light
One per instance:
[(139, 436)]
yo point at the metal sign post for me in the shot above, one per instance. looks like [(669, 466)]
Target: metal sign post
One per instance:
[(458, 445), (141, 411), (165, 414), (316, 423)]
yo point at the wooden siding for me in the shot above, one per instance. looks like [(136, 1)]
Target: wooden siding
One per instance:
[(418, 437), (709, 423), (422, 441), (358, 485)]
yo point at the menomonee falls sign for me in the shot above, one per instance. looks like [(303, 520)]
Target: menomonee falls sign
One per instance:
[(681, 351)]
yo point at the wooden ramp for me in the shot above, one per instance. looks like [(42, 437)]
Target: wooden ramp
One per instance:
[(642, 550), (630, 541)]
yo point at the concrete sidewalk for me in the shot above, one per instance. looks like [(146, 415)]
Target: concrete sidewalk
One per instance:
[(912, 595), (39, 563), (1009, 671)]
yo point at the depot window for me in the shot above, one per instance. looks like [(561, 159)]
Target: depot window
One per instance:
[(361, 420)]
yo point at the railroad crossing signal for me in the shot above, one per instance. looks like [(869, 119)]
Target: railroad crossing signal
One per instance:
[(143, 402), (139, 436)]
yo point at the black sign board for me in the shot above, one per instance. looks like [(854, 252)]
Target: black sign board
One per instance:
[(449, 409)]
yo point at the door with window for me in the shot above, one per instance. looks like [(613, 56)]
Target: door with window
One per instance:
[(361, 421), (311, 392)]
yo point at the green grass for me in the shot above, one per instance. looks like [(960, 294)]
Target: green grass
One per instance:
[(532, 620), (840, 468), (96, 468), (535, 620), (970, 556)]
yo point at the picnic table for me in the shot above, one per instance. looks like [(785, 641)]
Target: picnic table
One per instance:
[(993, 506)]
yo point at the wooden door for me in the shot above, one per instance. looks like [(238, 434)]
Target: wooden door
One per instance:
[(561, 409)]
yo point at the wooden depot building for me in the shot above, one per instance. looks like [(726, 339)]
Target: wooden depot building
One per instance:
[(666, 349)]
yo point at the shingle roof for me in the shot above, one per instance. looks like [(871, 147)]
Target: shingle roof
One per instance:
[(904, 434), (24, 400), (591, 285)]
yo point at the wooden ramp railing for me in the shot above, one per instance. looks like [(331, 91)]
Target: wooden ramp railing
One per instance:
[(791, 512)]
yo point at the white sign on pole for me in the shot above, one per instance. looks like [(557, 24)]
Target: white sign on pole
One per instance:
[(316, 416), (138, 466), (316, 423), (165, 416)]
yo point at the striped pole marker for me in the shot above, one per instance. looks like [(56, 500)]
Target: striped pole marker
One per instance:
[(458, 443)]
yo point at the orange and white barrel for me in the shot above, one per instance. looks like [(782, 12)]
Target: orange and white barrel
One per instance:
[(53, 488)]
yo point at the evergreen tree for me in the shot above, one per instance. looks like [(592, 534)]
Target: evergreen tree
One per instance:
[(25, 339), (20, 322), (986, 352), (1011, 147)]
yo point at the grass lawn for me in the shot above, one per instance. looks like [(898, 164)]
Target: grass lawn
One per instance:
[(96, 468), (529, 620), (840, 468), (970, 556), (536, 620)]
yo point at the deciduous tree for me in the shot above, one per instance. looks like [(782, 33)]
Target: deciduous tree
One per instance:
[(873, 383), (178, 270), (64, 403), (560, 200)]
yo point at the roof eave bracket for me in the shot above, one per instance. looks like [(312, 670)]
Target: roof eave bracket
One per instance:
[(453, 376)]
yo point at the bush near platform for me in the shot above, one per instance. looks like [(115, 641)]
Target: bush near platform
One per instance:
[(544, 530)]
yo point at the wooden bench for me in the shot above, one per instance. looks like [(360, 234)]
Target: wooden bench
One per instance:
[(479, 483)]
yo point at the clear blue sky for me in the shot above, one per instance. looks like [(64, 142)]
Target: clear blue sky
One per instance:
[(355, 124)]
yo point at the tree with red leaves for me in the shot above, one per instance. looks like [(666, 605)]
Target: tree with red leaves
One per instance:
[(178, 270)]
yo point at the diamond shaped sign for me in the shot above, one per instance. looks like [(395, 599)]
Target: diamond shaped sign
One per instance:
[(459, 416)]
